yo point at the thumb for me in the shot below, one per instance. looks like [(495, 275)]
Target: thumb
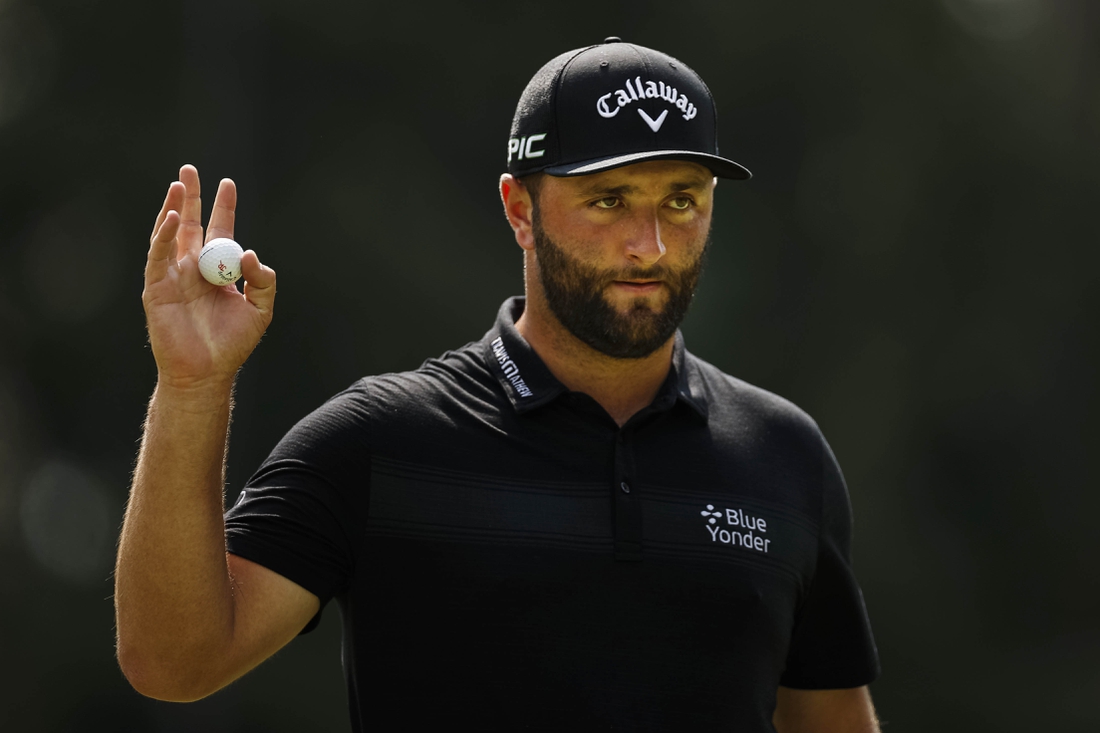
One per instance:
[(259, 282)]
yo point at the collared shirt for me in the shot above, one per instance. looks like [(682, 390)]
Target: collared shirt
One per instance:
[(505, 554)]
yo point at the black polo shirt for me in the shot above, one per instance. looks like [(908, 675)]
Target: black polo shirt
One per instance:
[(505, 555)]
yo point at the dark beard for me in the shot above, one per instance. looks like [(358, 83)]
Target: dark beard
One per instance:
[(574, 292)]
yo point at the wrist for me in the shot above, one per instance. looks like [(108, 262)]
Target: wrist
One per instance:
[(200, 393)]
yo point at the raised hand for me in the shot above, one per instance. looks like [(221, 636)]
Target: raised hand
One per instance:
[(201, 333)]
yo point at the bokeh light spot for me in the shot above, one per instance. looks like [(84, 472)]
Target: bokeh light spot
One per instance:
[(28, 57), (73, 266), (1000, 20), (66, 520)]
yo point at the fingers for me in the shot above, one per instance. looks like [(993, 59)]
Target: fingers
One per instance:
[(225, 211), (162, 247), (191, 212), (259, 282), (173, 201)]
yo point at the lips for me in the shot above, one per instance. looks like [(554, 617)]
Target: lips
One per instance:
[(638, 286)]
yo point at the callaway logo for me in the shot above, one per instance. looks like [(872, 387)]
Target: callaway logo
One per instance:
[(649, 90), (654, 124), (737, 518)]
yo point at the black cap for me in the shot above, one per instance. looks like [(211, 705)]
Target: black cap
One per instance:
[(611, 105)]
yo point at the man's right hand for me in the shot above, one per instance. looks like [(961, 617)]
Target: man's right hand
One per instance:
[(201, 333), (190, 618)]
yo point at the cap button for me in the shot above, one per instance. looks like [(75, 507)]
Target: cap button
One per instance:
[(612, 39)]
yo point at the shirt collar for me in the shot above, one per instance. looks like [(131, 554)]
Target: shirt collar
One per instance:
[(529, 384), (520, 371), (685, 380)]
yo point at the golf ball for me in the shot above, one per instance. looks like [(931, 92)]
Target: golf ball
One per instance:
[(220, 261)]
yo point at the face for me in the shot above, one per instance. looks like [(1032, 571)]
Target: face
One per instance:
[(619, 254)]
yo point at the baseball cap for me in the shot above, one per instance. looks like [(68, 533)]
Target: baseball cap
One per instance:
[(610, 105)]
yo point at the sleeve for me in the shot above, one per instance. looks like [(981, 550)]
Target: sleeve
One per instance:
[(297, 513), (832, 646)]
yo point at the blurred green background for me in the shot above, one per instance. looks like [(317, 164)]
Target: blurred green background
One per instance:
[(914, 263)]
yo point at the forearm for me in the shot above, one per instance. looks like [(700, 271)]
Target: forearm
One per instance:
[(173, 591)]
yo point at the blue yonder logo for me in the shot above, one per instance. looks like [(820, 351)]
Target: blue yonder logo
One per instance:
[(744, 530)]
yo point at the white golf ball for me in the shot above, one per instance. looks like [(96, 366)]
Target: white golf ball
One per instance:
[(220, 261)]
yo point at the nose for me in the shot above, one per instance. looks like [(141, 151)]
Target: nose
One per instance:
[(644, 246)]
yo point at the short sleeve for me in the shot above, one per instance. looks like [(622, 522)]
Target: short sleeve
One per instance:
[(832, 646), (295, 515)]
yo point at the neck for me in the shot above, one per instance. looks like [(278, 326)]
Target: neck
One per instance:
[(621, 386)]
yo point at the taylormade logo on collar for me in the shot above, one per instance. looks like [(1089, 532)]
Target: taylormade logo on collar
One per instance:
[(511, 371), (649, 90)]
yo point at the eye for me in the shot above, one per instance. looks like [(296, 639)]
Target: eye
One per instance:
[(606, 203), (681, 203)]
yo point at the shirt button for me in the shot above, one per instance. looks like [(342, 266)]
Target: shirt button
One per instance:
[(625, 487)]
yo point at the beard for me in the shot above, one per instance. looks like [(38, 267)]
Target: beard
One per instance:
[(574, 291)]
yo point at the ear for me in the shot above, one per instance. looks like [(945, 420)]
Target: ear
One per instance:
[(518, 209)]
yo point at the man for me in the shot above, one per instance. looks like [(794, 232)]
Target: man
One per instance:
[(571, 524)]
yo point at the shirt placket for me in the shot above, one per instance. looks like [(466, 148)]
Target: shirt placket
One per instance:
[(627, 502)]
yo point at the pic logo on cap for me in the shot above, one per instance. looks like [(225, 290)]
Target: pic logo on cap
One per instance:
[(521, 147)]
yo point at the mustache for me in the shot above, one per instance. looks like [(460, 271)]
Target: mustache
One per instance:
[(654, 272)]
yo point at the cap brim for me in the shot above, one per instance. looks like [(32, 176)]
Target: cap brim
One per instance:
[(721, 167)]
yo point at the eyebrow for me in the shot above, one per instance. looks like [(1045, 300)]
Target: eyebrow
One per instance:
[(625, 189)]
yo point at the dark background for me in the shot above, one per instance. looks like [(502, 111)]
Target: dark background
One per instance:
[(914, 263)]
